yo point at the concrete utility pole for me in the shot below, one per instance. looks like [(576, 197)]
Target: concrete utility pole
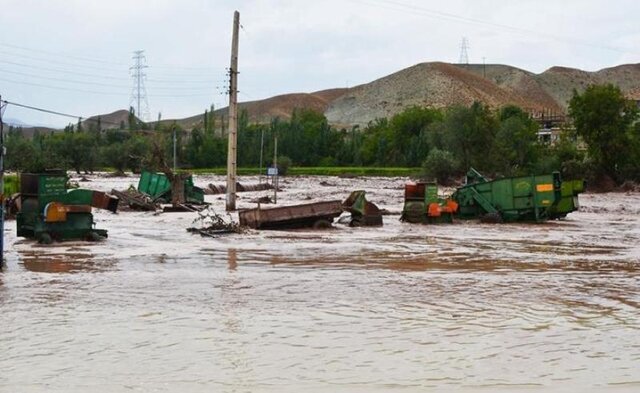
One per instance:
[(2, 105), (233, 117), (275, 165)]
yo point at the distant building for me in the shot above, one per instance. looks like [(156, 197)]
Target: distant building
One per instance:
[(552, 125)]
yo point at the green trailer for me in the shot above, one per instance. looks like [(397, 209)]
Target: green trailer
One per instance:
[(49, 211), (523, 198), (158, 187)]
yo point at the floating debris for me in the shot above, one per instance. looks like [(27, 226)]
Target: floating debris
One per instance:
[(213, 189), (211, 224), (135, 200)]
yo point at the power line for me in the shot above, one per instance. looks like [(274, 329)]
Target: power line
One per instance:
[(98, 92), (76, 73), (92, 60), (105, 67), (101, 61), (98, 83), (413, 9), (63, 80), (63, 71), (56, 112)]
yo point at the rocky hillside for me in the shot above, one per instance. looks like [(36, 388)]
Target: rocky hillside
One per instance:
[(431, 84), (441, 85), (435, 85)]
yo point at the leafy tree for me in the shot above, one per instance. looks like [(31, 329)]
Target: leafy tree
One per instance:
[(470, 135), (603, 117), (516, 142), (440, 165)]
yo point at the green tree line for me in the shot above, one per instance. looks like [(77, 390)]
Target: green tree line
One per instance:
[(445, 142)]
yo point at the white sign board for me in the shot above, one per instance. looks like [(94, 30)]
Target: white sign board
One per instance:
[(272, 171)]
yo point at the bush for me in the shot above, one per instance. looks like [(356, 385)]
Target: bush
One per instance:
[(284, 163), (440, 165)]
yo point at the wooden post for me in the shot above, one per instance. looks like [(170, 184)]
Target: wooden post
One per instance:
[(233, 118)]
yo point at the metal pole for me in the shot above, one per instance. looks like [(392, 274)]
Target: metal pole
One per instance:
[(275, 165), (232, 153), (2, 153), (261, 149), (175, 156)]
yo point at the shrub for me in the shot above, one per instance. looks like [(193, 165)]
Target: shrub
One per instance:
[(440, 165), (284, 163)]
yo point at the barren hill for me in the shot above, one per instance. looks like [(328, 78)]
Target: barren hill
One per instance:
[(281, 106), (441, 85), (426, 84), (434, 85), (262, 111), (109, 120)]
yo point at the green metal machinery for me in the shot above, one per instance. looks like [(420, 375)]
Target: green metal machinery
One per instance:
[(422, 205), (363, 212), (49, 211), (158, 187), (524, 198)]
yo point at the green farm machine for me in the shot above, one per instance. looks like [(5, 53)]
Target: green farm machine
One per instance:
[(422, 205), (49, 211), (511, 199), (524, 198)]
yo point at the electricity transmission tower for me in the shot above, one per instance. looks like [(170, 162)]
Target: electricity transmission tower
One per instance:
[(139, 91), (464, 55)]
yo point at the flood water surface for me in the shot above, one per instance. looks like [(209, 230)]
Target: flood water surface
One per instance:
[(468, 306)]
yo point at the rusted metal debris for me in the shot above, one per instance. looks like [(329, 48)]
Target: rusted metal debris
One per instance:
[(132, 199), (363, 212), (213, 189), (212, 224), (317, 215)]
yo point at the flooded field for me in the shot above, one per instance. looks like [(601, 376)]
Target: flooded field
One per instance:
[(468, 306)]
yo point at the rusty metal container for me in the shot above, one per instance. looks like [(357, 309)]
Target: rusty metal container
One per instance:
[(316, 215)]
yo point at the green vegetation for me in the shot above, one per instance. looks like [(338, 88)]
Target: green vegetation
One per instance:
[(437, 143), (606, 121)]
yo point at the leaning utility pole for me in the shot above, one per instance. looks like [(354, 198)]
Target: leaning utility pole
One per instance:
[(233, 117)]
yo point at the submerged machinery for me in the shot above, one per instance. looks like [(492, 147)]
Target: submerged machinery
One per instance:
[(422, 205), (523, 198), (363, 212), (49, 211), (511, 199), (158, 187)]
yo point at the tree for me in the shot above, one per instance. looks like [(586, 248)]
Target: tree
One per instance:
[(470, 135), (440, 165), (516, 142), (603, 117)]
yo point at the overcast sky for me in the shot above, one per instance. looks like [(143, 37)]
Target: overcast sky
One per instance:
[(73, 56)]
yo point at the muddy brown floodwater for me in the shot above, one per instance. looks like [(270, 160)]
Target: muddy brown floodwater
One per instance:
[(468, 306)]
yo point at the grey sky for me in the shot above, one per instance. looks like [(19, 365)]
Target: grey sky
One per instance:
[(285, 46)]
